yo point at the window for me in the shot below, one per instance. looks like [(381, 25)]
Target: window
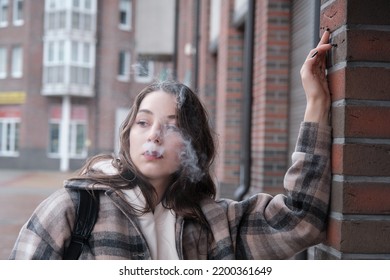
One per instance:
[(125, 14), (124, 66), (76, 3), (9, 136), (144, 71), (17, 62), (86, 53), (81, 62), (61, 19), (69, 60), (54, 71), (3, 62), (54, 135), (81, 72), (87, 4), (76, 20), (50, 52), (77, 132), (18, 12), (82, 15), (61, 51), (55, 20), (77, 139), (3, 13), (75, 51), (51, 4)]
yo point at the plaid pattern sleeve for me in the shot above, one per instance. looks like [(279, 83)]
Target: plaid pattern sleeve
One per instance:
[(44, 234), (266, 227)]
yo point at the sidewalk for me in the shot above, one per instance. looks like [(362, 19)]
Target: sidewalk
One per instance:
[(20, 193)]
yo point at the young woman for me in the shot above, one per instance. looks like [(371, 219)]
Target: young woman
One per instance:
[(157, 198)]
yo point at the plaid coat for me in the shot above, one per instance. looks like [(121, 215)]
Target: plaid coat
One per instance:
[(260, 227)]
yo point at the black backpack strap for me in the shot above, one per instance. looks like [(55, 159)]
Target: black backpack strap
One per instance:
[(86, 216)]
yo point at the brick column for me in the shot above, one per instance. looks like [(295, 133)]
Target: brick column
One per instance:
[(229, 96), (207, 64), (359, 75), (270, 95)]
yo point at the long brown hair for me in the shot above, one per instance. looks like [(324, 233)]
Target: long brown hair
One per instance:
[(192, 182)]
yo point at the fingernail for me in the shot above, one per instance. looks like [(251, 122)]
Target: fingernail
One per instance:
[(314, 54)]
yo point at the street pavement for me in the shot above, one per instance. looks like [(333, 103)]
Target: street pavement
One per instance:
[(20, 193)]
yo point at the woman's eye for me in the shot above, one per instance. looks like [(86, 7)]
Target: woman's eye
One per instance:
[(142, 123), (171, 127)]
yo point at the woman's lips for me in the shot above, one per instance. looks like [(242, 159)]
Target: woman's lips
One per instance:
[(152, 155), (153, 151)]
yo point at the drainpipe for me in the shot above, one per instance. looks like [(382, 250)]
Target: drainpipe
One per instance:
[(96, 98), (196, 43), (245, 165), (176, 40), (317, 10)]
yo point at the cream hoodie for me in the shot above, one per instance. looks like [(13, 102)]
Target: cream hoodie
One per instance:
[(158, 228)]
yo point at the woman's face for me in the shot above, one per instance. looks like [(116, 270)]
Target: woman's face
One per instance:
[(155, 140)]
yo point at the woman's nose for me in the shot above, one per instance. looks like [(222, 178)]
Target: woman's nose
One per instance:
[(155, 135)]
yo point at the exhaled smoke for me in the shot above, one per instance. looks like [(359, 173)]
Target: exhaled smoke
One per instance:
[(189, 161), (181, 98), (187, 155), (151, 148)]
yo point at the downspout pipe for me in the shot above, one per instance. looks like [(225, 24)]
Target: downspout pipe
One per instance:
[(176, 41), (245, 162), (196, 44), (96, 99)]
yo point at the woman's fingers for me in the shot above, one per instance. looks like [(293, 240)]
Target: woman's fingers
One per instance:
[(322, 47), (324, 38), (319, 50)]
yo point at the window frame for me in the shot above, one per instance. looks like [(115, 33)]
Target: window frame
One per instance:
[(3, 62), (72, 149), (17, 12), (14, 135), (139, 66), (17, 61), (124, 58), (4, 11), (82, 63), (125, 6)]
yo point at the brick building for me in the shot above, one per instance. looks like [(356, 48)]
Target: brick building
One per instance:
[(243, 58), (68, 72)]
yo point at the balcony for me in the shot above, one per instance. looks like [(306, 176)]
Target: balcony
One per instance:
[(69, 48)]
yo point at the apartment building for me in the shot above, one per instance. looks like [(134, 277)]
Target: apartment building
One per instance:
[(69, 70)]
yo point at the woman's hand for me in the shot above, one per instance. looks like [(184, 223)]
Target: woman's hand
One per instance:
[(315, 84)]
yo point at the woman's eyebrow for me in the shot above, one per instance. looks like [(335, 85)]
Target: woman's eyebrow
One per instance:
[(171, 117), (145, 111)]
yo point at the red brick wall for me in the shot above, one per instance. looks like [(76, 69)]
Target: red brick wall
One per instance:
[(185, 66), (207, 63), (110, 93), (29, 36), (229, 96), (270, 95), (359, 226)]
